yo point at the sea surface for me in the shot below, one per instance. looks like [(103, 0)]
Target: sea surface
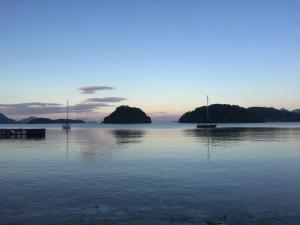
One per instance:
[(241, 174)]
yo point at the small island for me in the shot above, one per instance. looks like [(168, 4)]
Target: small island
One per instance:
[(220, 113), (127, 115)]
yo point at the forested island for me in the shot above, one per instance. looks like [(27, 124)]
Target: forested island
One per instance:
[(127, 115), (222, 113)]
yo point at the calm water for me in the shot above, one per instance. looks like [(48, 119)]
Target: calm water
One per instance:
[(154, 174)]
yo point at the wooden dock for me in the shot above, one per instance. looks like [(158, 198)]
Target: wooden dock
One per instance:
[(11, 133)]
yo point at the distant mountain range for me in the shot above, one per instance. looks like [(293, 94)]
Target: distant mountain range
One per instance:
[(218, 114), (235, 114), (35, 120), (50, 121), (27, 120), (6, 120)]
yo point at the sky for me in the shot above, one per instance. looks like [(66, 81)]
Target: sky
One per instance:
[(161, 56)]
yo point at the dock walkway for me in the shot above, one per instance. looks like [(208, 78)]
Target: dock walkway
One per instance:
[(12, 133)]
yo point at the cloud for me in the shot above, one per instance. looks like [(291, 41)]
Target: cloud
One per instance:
[(106, 99), (93, 89), (30, 104), (157, 113), (86, 107), (38, 108), (30, 108)]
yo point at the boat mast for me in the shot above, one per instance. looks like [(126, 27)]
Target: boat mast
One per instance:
[(207, 113)]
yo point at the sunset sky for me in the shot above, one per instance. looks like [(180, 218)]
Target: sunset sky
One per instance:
[(162, 56)]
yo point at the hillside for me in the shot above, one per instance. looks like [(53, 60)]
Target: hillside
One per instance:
[(236, 114), (50, 121), (5, 120), (27, 120)]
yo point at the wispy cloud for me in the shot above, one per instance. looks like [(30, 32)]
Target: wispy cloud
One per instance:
[(39, 108), (157, 113), (93, 89), (106, 99), (30, 104), (86, 107)]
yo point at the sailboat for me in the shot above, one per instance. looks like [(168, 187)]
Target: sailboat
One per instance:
[(67, 125), (208, 125)]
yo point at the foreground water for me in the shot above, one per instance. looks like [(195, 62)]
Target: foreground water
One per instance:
[(167, 174)]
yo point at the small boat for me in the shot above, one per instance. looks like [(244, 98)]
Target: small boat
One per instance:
[(207, 125), (67, 125)]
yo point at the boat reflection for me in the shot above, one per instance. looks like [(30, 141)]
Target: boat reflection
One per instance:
[(67, 142)]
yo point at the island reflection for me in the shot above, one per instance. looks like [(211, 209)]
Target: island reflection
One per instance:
[(127, 136), (221, 136), (101, 144)]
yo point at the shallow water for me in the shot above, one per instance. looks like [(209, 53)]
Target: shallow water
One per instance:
[(153, 174)]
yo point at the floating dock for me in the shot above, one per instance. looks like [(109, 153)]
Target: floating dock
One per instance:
[(11, 133)]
